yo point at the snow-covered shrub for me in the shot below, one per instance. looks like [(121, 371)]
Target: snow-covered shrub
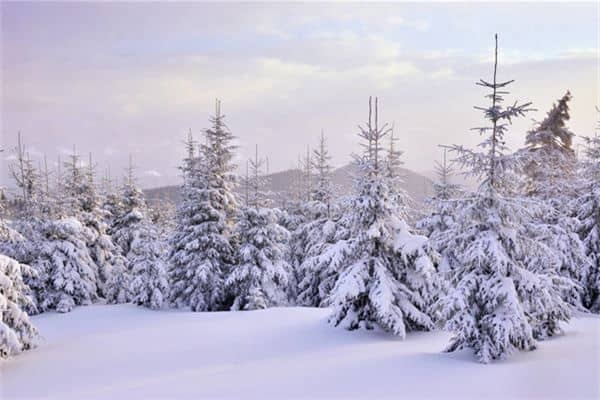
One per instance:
[(66, 265), (17, 333)]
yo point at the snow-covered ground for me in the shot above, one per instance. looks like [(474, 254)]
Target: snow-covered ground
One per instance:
[(126, 352)]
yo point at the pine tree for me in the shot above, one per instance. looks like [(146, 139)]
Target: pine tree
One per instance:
[(22, 240), (587, 209), (132, 219), (318, 272), (17, 333), (111, 203), (149, 285), (65, 263), (505, 289), (392, 172), (387, 273), (22, 245), (549, 160), (550, 167), (202, 248), (106, 255), (260, 278), (442, 210)]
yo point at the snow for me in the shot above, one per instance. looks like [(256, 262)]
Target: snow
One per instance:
[(125, 352)]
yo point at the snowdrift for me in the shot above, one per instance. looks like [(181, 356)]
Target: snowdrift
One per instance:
[(126, 352)]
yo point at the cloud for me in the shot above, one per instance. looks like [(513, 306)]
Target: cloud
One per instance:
[(282, 71), (153, 173)]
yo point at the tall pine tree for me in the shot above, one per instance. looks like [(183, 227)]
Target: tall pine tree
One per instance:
[(505, 288), (387, 273), (202, 248)]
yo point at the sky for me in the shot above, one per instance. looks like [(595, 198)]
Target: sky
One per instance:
[(116, 79)]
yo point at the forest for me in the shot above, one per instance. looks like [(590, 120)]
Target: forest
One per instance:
[(501, 267)]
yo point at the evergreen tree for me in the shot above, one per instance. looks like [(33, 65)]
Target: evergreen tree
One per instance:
[(549, 160), (549, 168), (34, 205), (387, 274), (27, 217), (505, 289), (260, 278), (202, 248), (126, 229), (392, 172), (106, 255), (149, 285), (17, 333), (318, 271), (587, 209), (111, 203), (66, 266), (442, 210)]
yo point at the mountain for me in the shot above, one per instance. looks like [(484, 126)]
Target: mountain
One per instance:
[(282, 183)]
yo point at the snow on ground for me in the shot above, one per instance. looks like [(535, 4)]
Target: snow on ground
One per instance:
[(126, 352)]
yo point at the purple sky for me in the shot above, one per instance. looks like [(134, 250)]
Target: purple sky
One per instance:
[(121, 78)]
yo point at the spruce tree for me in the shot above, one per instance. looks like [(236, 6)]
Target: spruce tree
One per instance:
[(549, 166), (132, 219), (149, 285), (202, 247), (17, 333), (387, 273), (505, 288), (586, 207), (441, 210), (23, 240), (323, 229), (106, 255), (65, 263), (549, 159), (19, 241), (260, 279)]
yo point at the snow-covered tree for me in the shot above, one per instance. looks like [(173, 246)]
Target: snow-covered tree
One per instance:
[(323, 229), (27, 216), (21, 241), (387, 274), (441, 209), (133, 212), (162, 216), (65, 264), (587, 209), (87, 207), (25, 175), (549, 165), (322, 192), (132, 218), (505, 288), (149, 285), (392, 172), (548, 158), (202, 246), (17, 333), (111, 203), (260, 278)]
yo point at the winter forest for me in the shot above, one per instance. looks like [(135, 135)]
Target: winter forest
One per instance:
[(497, 270)]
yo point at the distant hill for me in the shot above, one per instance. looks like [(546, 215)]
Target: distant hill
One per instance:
[(417, 185)]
